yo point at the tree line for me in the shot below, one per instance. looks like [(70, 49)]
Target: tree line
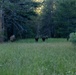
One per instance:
[(57, 18)]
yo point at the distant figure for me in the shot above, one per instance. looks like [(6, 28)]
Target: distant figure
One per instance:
[(43, 39), (36, 39), (46, 37), (12, 38)]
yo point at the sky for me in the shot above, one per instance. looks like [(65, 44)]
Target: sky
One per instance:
[(39, 9), (38, 0)]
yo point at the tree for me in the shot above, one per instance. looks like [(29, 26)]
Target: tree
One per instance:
[(64, 17), (17, 14), (47, 28)]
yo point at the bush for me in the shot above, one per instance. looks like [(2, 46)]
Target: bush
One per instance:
[(73, 37)]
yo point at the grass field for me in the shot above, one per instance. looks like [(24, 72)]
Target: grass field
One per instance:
[(26, 57)]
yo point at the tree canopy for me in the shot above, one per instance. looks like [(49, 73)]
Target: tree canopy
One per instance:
[(17, 14), (56, 18)]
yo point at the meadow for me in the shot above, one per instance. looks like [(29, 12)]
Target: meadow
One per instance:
[(27, 57)]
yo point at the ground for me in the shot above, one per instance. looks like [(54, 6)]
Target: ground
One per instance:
[(27, 57)]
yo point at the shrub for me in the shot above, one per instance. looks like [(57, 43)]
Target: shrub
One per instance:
[(73, 37)]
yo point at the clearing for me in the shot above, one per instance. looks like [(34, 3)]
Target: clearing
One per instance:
[(27, 57)]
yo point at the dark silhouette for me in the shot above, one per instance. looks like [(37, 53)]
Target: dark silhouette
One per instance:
[(43, 39), (46, 37), (36, 39)]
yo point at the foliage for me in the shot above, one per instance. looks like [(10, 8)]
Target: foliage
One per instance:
[(47, 21), (64, 17), (73, 37), (58, 18), (18, 17)]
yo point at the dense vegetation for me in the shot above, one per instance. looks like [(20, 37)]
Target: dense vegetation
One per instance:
[(65, 15), (56, 19), (19, 18)]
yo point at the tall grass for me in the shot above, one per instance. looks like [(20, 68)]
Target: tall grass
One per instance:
[(26, 57)]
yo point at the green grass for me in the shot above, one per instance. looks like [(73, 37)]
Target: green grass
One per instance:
[(26, 57)]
